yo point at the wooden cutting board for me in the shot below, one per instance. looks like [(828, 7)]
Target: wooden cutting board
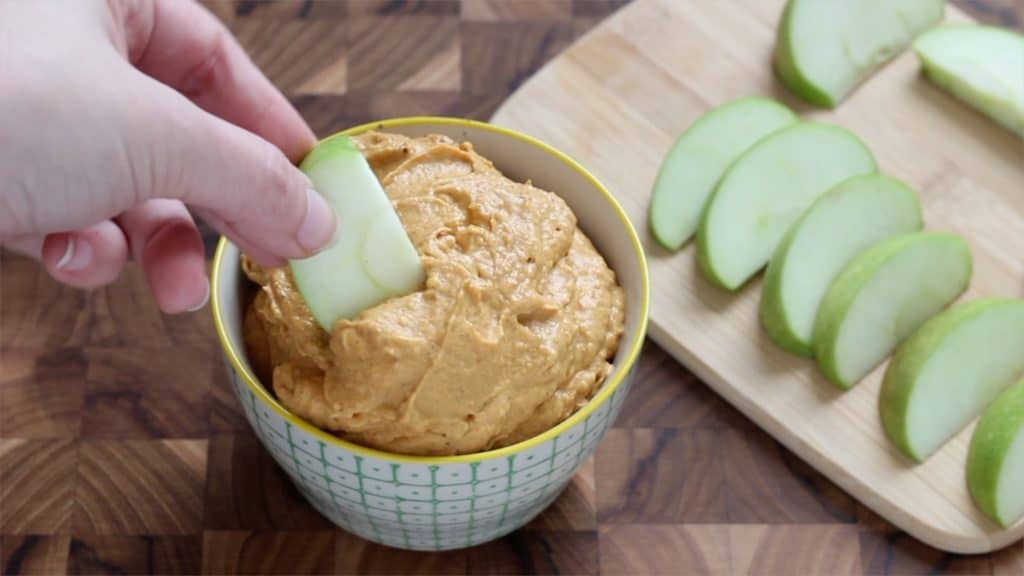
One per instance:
[(618, 99)]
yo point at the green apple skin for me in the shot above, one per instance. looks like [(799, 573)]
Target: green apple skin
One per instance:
[(890, 208), (773, 318), (950, 251), (698, 159), (328, 149), (912, 16), (983, 66), (787, 69), (1000, 429), (711, 273), (783, 174), (914, 357)]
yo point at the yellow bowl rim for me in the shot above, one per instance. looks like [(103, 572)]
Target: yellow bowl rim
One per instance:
[(606, 392)]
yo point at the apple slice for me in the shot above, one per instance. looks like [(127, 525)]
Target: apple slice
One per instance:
[(372, 258), (698, 159), (882, 296), (825, 48), (857, 213), (944, 375), (767, 189), (995, 464), (981, 65)]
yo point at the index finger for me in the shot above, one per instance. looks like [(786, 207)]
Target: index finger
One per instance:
[(183, 45)]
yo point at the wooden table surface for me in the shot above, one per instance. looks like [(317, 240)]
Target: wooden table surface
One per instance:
[(123, 450)]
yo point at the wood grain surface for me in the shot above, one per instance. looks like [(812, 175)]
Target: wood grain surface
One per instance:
[(618, 99), (122, 448)]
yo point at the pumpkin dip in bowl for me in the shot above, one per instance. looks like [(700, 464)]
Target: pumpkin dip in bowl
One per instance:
[(513, 331)]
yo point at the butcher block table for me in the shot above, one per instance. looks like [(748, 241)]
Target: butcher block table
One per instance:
[(123, 449)]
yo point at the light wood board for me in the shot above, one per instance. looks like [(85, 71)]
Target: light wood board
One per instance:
[(616, 101)]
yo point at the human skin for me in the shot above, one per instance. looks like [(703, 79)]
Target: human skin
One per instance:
[(115, 115)]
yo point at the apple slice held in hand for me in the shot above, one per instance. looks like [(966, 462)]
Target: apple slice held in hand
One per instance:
[(944, 375), (854, 215), (882, 296), (995, 463), (766, 190), (825, 48), (981, 65), (698, 159), (372, 258)]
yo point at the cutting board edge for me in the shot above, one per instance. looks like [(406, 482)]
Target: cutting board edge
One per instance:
[(927, 533)]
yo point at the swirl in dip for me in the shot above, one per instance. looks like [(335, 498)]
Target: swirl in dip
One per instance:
[(512, 332)]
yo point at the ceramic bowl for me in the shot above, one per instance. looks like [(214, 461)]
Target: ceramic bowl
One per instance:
[(440, 503)]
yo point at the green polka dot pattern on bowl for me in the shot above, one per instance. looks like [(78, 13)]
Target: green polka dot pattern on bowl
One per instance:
[(427, 507)]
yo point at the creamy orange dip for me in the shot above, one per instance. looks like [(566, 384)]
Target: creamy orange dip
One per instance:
[(512, 332)]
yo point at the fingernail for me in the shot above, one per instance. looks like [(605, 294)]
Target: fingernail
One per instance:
[(204, 302), (77, 255), (317, 229)]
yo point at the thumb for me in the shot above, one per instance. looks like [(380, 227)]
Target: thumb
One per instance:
[(255, 195)]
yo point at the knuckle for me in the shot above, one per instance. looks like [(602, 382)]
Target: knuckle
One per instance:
[(212, 62)]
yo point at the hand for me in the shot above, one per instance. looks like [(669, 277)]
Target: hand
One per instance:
[(115, 114)]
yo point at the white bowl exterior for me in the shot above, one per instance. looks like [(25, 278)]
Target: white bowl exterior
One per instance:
[(450, 505), (421, 507)]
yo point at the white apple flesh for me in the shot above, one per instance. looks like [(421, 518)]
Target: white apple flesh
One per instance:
[(944, 375), (372, 258), (767, 189), (698, 159), (882, 296), (854, 215)]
